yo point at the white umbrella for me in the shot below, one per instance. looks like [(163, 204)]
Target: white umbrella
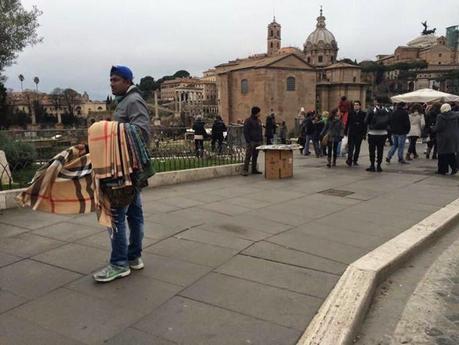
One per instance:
[(425, 96)]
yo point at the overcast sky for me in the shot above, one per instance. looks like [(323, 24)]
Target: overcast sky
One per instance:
[(83, 38)]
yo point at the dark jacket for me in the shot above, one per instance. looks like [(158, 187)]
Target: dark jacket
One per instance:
[(308, 126), (431, 121), (318, 128), (355, 126), (218, 128), (377, 119), (447, 130), (198, 127), (400, 122), (253, 131), (131, 108), (271, 126), (335, 130)]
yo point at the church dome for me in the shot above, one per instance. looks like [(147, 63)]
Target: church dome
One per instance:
[(423, 41), (320, 38)]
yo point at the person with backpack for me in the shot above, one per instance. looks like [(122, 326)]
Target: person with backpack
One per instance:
[(332, 135), (218, 128), (377, 122)]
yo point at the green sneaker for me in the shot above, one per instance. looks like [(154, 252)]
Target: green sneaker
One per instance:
[(111, 272), (136, 264)]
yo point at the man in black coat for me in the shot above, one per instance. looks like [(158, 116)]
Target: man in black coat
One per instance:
[(253, 134), (377, 121), (218, 128), (400, 127), (270, 128), (447, 129), (355, 131)]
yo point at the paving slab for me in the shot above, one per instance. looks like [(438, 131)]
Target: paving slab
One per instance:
[(14, 331), (264, 302), (131, 336), (190, 322), (317, 246), (67, 231), (222, 240), (280, 275), (74, 257), (101, 240), (26, 245), (135, 292), (6, 259), (281, 254), (91, 320), (167, 269), (191, 251), (234, 229), (9, 300), (7, 230), (31, 279), (22, 217)]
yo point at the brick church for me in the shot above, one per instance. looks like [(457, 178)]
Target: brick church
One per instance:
[(286, 79)]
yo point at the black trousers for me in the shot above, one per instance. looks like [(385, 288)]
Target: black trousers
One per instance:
[(251, 154), (332, 148), (376, 148), (354, 143), (199, 145), (412, 147), (445, 161)]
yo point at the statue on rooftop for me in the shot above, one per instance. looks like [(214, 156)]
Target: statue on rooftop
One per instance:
[(425, 31)]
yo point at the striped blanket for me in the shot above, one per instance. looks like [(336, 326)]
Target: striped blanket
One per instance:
[(70, 183)]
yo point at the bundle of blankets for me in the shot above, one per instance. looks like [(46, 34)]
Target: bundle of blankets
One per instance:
[(72, 182)]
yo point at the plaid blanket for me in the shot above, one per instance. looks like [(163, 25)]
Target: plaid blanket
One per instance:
[(63, 185), (70, 183)]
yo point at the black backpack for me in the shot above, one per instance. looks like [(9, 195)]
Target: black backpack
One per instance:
[(380, 120)]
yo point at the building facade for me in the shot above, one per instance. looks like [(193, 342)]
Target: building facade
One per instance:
[(286, 79)]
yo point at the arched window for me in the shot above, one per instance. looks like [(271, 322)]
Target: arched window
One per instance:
[(244, 86), (291, 84)]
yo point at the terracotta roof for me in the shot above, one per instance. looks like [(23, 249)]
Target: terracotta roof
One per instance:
[(258, 63), (341, 65)]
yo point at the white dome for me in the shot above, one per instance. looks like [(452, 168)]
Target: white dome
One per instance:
[(423, 41), (320, 38)]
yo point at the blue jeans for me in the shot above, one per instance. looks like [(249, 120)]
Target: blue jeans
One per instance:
[(399, 143), (121, 251)]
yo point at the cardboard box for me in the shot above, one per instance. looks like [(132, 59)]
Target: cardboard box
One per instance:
[(278, 164)]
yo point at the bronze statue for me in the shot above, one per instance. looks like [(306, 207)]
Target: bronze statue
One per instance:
[(425, 31)]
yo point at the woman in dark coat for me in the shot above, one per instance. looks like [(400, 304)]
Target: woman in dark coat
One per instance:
[(333, 132), (447, 130), (431, 120)]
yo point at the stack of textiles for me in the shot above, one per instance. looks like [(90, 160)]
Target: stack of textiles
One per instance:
[(71, 183)]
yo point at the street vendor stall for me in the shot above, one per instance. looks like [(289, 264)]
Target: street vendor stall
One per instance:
[(425, 96), (278, 160)]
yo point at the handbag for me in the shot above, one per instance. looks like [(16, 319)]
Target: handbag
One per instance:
[(324, 141), (118, 196)]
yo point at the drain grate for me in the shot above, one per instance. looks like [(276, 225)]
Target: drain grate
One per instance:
[(336, 192)]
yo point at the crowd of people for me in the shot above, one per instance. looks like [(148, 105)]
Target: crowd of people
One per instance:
[(341, 132)]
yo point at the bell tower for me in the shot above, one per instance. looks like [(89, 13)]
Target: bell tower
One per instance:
[(274, 37)]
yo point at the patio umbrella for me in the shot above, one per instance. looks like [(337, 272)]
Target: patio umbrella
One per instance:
[(425, 96)]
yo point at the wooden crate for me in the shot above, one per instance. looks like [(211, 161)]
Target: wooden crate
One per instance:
[(278, 164)]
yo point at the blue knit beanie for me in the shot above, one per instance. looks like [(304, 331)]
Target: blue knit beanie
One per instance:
[(122, 71)]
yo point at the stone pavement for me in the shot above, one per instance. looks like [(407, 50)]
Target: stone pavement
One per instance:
[(236, 260), (431, 316)]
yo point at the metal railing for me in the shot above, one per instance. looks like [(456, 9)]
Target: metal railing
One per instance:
[(172, 148)]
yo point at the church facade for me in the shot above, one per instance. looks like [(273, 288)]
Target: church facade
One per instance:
[(286, 79)]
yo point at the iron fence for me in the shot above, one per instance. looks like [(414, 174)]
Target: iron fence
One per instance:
[(172, 148)]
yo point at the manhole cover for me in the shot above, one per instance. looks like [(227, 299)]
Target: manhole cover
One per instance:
[(336, 192)]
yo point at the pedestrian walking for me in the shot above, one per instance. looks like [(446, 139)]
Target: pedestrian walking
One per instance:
[(332, 135), (308, 129), (270, 128), (431, 120), (400, 127), (253, 134), (417, 123), (218, 130), (447, 131), (126, 254), (199, 135), (377, 122), (325, 115), (355, 131), (318, 126), (283, 132)]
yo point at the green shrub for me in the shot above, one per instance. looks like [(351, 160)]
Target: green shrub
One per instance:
[(19, 154)]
